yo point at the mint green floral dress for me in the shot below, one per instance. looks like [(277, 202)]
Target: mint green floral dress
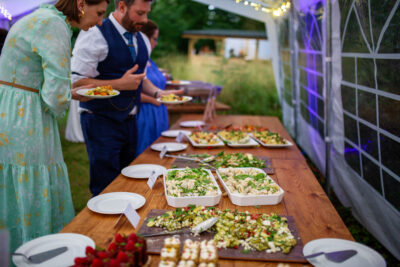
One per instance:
[(35, 197)]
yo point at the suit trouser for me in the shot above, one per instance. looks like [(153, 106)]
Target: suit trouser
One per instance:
[(111, 146)]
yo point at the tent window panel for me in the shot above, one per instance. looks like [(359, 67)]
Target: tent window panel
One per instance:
[(369, 140), (321, 108), (367, 106), (389, 108), (371, 173), (392, 189), (285, 56), (288, 98), (287, 70), (380, 11), (388, 76), (302, 58), (319, 66), (321, 128), (320, 85), (391, 39), (353, 39), (350, 129), (349, 99), (304, 113), (304, 95), (303, 77), (352, 157), (348, 69), (390, 156), (365, 72)]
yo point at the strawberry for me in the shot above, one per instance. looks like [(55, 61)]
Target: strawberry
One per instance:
[(114, 263), (122, 257), (112, 247), (97, 263), (119, 238), (102, 255), (130, 246), (90, 250), (133, 237), (79, 261)]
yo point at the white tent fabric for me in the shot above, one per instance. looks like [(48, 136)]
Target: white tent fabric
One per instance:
[(347, 125), (18, 9)]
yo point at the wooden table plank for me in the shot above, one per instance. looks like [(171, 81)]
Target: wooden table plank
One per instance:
[(195, 107), (304, 198)]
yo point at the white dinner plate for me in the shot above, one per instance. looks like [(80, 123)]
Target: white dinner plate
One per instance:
[(192, 123), (184, 100), (180, 82), (365, 257), (171, 147), (115, 203), (76, 244), (175, 133), (83, 92), (142, 171)]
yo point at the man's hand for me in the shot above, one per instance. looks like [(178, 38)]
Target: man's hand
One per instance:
[(78, 97), (130, 81), (168, 92)]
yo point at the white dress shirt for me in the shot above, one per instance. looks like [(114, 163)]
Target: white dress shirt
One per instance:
[(91, 48)]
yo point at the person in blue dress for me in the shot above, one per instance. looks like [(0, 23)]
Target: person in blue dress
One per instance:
[(153, 116)]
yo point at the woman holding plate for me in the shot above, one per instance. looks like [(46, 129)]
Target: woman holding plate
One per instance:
[(35, 89), (153, 116)]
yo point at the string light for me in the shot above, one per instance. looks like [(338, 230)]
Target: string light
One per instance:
[(276, 7), (5, 12)]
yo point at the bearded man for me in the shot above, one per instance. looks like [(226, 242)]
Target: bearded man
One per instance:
[(115, 54)]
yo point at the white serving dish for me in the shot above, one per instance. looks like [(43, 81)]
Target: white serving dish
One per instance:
[(251, 200), (249, 143), (184, 100), (271, 145), (178, 202), (220, 143)]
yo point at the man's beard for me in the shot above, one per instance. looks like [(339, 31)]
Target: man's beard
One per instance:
[(128, 24)]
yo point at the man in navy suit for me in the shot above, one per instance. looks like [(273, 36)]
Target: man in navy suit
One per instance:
[(115, 54)]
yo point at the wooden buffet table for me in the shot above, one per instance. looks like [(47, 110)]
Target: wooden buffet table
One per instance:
[(304, 198)]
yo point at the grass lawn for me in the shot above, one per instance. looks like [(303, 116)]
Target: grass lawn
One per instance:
[(249, 88)]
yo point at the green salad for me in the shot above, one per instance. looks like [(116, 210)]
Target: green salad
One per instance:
[(261, 232), (190, 182)]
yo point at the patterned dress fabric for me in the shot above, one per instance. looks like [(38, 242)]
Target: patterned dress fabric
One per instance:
[(151, 120), (35, 197)]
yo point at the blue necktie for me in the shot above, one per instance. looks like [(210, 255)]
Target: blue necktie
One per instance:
[(129, 37)]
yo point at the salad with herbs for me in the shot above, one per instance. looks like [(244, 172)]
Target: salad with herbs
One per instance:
[(235, 137), (190, 182), (261, 232), (248, 181), (224, 160), (270, 138)]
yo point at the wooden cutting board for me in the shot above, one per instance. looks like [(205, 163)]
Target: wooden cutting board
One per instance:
[(155, 243), (181, 163)]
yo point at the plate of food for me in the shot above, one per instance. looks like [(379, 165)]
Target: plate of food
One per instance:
[(191, 186), (249, 128), (177, 82), (204, 139), (100, 92), (237, 138), (270, 139), (174, 99), (250, 186)]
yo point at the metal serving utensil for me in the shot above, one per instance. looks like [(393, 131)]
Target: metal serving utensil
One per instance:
[(42, 256), (335, 256)]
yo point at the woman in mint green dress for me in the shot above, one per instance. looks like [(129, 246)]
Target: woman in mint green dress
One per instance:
[(35, 89)]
